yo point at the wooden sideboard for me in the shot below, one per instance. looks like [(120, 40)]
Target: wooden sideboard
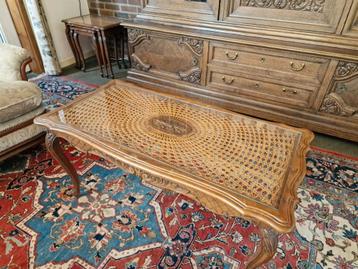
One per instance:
[(289, 61)]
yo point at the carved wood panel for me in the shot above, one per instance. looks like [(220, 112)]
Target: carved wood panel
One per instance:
[(351, 26), (207, 10), (343, 97), (302, 15), (177, 57)]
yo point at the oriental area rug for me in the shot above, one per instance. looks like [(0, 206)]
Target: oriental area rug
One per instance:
[(121, 222)]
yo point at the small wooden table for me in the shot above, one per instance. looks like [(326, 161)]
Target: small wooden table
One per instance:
[(100, 29), (232, 164)]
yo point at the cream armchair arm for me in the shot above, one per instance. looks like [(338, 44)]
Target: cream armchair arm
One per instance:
[(13, 62)]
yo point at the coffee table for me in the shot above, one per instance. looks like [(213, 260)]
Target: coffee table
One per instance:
[(232, 164)]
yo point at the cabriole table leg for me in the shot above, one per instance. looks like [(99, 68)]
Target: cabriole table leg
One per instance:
[(79, 50), (106, 54), (267, 249), (54, 147), (97, 48)]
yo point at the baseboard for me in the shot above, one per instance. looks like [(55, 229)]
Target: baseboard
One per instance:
[(71, 60)]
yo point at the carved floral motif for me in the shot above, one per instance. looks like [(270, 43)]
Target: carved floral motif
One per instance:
[(303, 5), (139, 65), (346, 69), (135, 35), (192, 76), (195, 45), (334, 104), (341, 101)]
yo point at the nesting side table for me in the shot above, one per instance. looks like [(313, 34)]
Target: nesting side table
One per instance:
[(101, 29)]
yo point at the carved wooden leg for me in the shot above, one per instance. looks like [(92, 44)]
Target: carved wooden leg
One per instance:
[(54, 147), (267, 249), (103, 56), (106, 54), (98, 51), (79, 50), (69, 34)]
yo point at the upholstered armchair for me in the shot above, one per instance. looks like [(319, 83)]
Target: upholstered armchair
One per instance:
[(20, 103)]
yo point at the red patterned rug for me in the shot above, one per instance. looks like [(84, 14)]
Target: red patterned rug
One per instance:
[(121, 222)]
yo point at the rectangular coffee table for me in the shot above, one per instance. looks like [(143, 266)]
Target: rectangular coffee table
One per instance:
[(232, 164)]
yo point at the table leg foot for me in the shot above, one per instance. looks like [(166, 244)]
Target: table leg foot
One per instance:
[(267, 249), (54, 147)]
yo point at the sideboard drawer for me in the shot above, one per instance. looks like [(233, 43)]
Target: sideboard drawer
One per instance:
[(282, 65), (241, 85)]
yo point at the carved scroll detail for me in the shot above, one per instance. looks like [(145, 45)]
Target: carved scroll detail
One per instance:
[(302, 5), (334, 104), (136, 36), (342, 99), (192, 76), (139, 65), (346, 69), (195, 45)]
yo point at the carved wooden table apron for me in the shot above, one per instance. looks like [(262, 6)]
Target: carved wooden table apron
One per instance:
[(232, 164)]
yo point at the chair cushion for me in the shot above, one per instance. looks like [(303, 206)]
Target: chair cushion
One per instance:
[(19, 121), (11, 59), (17, 98), (20, 136)]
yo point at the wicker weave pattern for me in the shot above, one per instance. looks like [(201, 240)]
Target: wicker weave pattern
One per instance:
[(247, 156)]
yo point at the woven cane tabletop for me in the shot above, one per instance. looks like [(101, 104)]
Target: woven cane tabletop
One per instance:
[(244, 155)]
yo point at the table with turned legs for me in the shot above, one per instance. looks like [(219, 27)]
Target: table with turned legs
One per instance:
[(107, 36)]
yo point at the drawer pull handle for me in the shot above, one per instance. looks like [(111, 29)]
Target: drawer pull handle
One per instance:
[(227, 81), (233, 57), (297, 67), (257, 85), (262, 60), (289, 91)]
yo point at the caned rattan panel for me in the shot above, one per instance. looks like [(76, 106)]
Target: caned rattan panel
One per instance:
[(231, 164), (247, 156)]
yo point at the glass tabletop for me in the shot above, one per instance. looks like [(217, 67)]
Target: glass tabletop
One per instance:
[(245, 155), (94, 21)]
